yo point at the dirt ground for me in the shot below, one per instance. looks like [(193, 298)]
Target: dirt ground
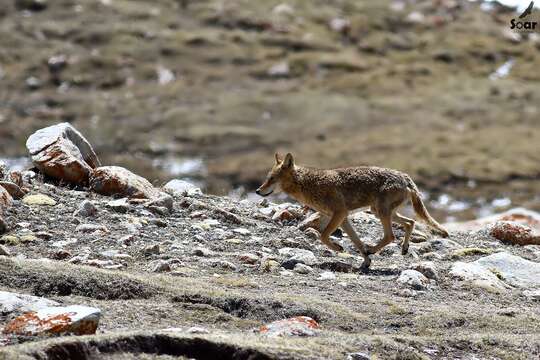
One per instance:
[(152, 84), (208, 285)]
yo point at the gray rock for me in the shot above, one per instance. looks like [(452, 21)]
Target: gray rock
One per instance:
[(513, 270), (20, 303), (428, 269), (476, 275), (413, 279), (299, 255), (159, 266), (152, 250), (3, 226), (533, 295), (358, 356), (181, 188), (248, 258), (119, 205), (163, 201), (302, 269), (86, 209), (4, 251), (204, 252), (90, 228)]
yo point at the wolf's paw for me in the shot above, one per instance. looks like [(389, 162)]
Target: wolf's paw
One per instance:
[(404, 249), (365, 265)]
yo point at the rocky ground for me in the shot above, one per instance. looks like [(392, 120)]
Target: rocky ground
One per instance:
[(229, 82), (200, 281)]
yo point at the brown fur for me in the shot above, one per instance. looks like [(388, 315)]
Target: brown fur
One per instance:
[(335, 192)]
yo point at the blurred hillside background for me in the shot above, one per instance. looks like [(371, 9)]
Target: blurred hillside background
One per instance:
[(210, 89)]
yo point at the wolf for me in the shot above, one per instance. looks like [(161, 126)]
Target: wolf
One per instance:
[(335, 192)]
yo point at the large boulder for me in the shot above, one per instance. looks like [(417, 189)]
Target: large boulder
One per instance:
[(513, 270), (500, 270), (115, 180), (74, 319), (61, 152)]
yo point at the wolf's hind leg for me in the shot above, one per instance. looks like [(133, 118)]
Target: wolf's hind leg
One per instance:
[(347, 227), (385, 215), (408, 224)]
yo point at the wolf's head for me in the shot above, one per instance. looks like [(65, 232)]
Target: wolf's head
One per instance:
[(281, 169)]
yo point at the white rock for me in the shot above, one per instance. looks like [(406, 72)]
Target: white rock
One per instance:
[(515, 270), (299, 255), (327, 275), (477, 276), (414, 279), (181, 188), (302, 269), (19, 303)]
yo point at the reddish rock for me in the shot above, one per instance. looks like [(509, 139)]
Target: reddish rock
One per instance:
[(5, 199), (75, 319), (313, 221), (285, 215), (115, 180), (61, 152), (13, 189), (514, 233), (518, 215), (296, 326)]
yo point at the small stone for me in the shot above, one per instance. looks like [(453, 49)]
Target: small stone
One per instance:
[(285, 215), (60, 254), (313, 221), (268, 265), (159, 266), (127, 240), (428, 269), (10, 240), (164, 201), (248, 258), (302, 269), (296, 326), (432, 256), (533, 295), (197, 330), (279, 70), (91, 228), (152, 250), (86, 209), (204, 252), (181, 188), (312, 234), (413, 279), (5, 198), (227, 265), (327, 275), (242, 231), (39, 200), (119, 205), (358, 356), (299, 255), (32, 5), (3, 226), (4, 251), (13, 189), (28, 238)]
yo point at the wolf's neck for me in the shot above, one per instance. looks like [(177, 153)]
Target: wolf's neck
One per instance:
[(295, 183)]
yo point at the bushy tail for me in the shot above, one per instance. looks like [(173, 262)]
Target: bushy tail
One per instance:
[(421, 210)]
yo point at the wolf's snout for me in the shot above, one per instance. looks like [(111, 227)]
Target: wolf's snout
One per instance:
[(258, 192)]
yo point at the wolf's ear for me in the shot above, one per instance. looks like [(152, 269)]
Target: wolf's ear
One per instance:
[(288, 162), (278, 158)]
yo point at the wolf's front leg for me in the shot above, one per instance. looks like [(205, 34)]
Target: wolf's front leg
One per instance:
[(335, 221)]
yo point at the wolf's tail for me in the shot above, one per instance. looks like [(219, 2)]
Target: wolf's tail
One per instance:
[(420, 209)]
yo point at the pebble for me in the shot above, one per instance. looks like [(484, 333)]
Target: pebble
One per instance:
[(39, 200), (86, 209), (327, 275), (302, 269), (4, 251)]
